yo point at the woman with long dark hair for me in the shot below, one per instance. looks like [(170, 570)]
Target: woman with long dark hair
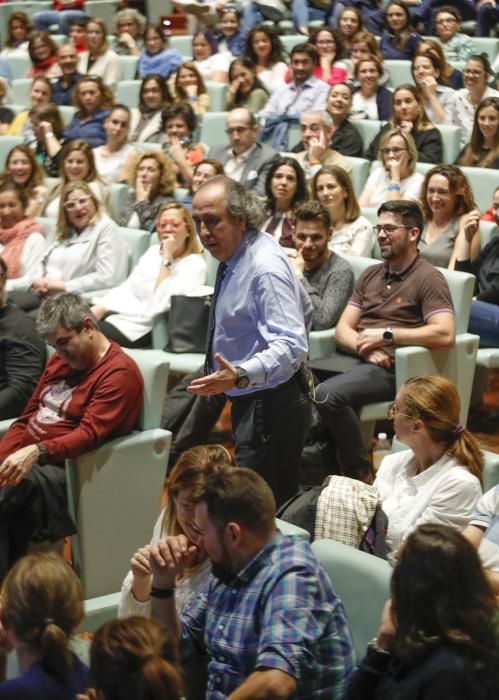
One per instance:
[(438, 634), (398, 40), (285, 189), (245, 88), (265, 50), (154, 97), (483, 148)]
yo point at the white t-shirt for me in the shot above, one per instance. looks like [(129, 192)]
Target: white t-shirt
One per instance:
[(444, 494), (31, 263), (215, 62), (109, 167), (364, 107), (487, 515)]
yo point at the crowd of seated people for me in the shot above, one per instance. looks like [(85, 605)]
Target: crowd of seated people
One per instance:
[(321, 132)]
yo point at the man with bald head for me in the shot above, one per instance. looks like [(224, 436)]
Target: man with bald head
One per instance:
[(257, 340), (245, 160)]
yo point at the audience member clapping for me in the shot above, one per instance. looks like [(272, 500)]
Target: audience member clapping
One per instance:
[(397, 178), (43, 54), (132, 659), (370, 99), (93, 100), (151, 178), (129, 27), (245, 88), (398, 41), (264, 49), (477, 73), (156, 57), (154, 97), (285, 189), (42, 605), (351, 233), (190, 88), (448, 206), (174, 266), (22, 244), (437, 95), (23, 169), (110, 159), (438, 634), (76, 164), (438, 479), (210, 63), (89, 253), (409, 115), (483, 148), (99, 59)]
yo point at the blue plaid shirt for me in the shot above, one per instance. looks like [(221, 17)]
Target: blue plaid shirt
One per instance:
[(279, 612)]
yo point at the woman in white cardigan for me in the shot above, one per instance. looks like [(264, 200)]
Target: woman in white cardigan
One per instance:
[(174, 266), (99, 59), (438, 479)]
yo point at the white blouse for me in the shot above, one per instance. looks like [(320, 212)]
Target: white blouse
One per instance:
[(107, 66), (215, 62), (96, 258), (136, 302), (31, 263), (187, 589), (378, 181), (109, 167), (354, 238), (443, 494)]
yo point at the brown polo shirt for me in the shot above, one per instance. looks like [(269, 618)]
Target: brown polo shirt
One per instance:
[(406, 299)]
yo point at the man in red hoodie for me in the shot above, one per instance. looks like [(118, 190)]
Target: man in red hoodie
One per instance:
[(89, 391), (62, 14)]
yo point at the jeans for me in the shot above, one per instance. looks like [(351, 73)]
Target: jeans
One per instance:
[(486, 20), (44, 20), (425, 12), (301, 13), (270, 429), (340, 399), (484, 321)]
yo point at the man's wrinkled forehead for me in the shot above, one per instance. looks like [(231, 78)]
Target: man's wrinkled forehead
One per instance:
[(210, 198)]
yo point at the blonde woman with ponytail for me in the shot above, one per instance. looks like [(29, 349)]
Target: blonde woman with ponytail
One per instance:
[(41, 606), (132, 659), (438, 480)]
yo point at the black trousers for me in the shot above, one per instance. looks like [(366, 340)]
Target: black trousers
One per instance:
[(34, 509), (340, 398), (270, 429), (112, 333)]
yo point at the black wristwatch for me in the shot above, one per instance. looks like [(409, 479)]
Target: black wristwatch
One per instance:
[(43, 457), (243, 380), (388, 336)]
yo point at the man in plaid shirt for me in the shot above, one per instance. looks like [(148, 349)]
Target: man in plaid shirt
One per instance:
[(269, 620)]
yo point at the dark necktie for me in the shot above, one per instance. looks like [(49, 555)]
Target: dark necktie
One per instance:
[(208, 362)]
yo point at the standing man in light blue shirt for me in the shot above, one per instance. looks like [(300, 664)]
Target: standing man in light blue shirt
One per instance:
[(258, 342)]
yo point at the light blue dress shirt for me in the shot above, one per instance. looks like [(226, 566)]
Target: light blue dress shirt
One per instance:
[(292, 100), (262, 314)]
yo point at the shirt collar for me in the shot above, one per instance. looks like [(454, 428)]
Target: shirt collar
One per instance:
[(391, 275), (243, 156), (248, 238), (259, 561)]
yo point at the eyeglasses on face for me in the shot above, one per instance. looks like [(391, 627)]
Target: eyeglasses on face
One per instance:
[(473, 73), (73, 203), (397, 150), (447, 20), (389, 229), (237, 130), (392, 410)]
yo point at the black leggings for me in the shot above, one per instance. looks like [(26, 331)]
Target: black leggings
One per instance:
[(111, 332)]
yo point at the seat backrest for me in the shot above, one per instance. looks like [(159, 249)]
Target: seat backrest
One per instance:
[(183, 44), (128, 66), (359, 264), (216, 93), (461, 286), (488, 44), (127, 92), (490, 476), (483, 182), (360, 171), (291, 40), (213, 129), (20, 88), (368, 129), (6, 144), (362, 581), (451, 142), (67, 112), (138, 242), (154, 367), (19, 65), (399, 72), (488, 229), (105, 9), (118, 193), (211, 268)]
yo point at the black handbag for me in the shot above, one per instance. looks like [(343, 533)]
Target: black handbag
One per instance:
[(188, 320)]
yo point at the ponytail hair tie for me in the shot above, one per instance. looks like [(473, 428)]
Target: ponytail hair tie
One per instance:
[(459, 429), (48, 621)]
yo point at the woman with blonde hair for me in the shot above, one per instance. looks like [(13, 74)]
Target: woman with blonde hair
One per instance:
[(40, 93), (174, 266), (448, 206), (190, 88), (89, 253), (76, 163), (352, 233), (396, 178), (134, 658), (99, 60), (175, 519), (438, 479), (409, 115), (151, 178), (41, 607), (25, 172), (483, 148), (93, 100)]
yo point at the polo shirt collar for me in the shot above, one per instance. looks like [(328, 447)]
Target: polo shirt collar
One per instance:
[(391, 275)]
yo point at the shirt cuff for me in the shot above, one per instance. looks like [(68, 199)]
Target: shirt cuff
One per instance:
[(255, 371)]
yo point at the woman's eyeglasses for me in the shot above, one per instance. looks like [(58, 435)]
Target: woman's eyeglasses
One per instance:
[(73, 203)]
